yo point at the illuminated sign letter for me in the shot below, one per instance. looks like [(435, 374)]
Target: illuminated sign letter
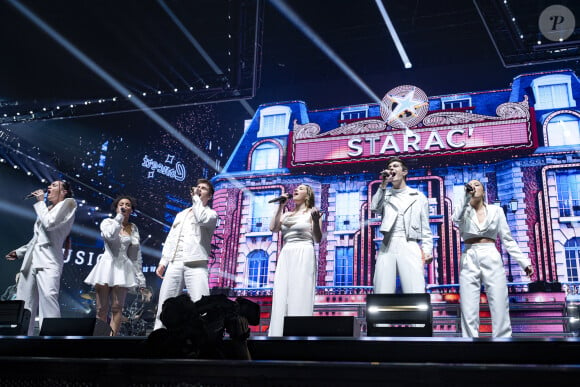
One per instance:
[(390, 143), (372, 140), (450, 138), (434, 139), (414, 144), (354, 144)]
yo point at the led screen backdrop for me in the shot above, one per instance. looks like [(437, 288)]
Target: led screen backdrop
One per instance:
[(104, 156), (522, 142)]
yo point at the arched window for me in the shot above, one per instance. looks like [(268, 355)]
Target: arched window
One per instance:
[(257, 269), (265, 156), (564, 129), (572, 248)]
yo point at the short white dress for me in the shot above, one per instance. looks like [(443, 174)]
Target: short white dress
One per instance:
[(121, 263)]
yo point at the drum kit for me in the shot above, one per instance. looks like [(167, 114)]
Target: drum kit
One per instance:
[(139, 317)]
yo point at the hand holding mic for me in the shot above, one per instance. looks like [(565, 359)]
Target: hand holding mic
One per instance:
[(34, 194), (280, 199), (468, 188)]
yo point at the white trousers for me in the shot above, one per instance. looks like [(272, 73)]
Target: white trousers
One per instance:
[(482, 263), (39, 289), (396, 254), (195, 279), (294, 285)]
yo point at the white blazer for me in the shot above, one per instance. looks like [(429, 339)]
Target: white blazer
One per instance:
[(51, 228), (415, 216), (465, 217), (198, 241)]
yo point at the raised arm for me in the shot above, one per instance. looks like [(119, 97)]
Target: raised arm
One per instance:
[(377, 202), (460, 208), (60, 213), (316, 224), (203, 216), (111, 227), (276, 221)]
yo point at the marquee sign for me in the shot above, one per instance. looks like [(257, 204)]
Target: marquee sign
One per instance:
[(441, 133)]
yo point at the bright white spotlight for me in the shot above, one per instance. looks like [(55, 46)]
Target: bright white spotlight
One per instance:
[(394, 35)]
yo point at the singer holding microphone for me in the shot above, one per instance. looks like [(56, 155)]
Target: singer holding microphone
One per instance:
[(186, 251), (295, 277), (407, 243), (39, 281), (121, 265), (480, 224)]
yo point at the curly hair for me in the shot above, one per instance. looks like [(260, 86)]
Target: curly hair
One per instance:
[(121, 197)]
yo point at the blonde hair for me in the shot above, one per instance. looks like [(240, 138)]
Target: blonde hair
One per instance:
[(310, 196)]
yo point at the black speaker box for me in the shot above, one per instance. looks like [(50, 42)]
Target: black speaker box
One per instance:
[(14, 318), (346, 326), (68, 326), (408, 315)]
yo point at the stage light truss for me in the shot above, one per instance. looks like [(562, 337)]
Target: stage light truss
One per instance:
[(513, 26), (238, 81)]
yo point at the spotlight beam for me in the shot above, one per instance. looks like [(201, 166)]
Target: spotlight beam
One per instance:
[(111, 81), (402, 53), (190, 37), (285, 10), (200, 49)]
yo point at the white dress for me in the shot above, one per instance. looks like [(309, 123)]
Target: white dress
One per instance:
[(121, 263), (295, 278)]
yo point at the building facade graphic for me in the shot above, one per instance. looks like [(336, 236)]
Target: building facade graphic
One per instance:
[(522, 142)]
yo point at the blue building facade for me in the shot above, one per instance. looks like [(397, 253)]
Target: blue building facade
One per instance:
[(522, 143)]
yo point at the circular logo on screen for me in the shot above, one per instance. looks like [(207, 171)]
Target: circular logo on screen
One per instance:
[(557, 23), (404, 106)]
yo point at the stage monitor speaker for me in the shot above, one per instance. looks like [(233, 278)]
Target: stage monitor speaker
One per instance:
[(345, 326), (14, 318), (408, 315), (70, 326)]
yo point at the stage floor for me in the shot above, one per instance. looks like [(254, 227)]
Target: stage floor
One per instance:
[(302, 361)]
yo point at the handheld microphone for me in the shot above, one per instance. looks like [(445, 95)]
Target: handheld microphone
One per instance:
[(29, 196), (279, 199), (468, 188)]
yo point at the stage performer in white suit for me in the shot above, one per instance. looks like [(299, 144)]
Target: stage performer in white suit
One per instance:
[(295, 277), (480, 224), (187, 248), (405, 224), (120, 268), (39, 282)]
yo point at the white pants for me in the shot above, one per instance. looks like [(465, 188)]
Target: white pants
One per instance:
[(196, 280), (39, 289), (396, 254), (482, 263), (294, 285)]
